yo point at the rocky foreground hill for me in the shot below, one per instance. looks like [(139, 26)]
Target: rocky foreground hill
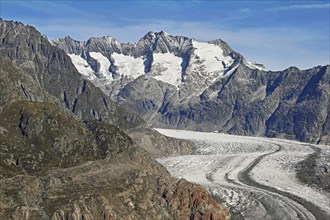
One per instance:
[(178, 82), (64, 154)]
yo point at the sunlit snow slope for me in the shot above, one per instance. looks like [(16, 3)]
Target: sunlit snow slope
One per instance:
[(175, 60)]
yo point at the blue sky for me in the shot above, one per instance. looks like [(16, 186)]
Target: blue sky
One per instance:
[(278, 34)]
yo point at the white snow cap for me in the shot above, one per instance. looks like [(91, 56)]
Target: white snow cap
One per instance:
[(128, 65), (82, 66), (206, 64), (167, 68), (212, 56), (104, 65)]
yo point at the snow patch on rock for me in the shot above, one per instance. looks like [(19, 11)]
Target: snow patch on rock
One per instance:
[(166, 67), (104, 65), (128, 65), (254, 65), (211, 56), (82, 66)]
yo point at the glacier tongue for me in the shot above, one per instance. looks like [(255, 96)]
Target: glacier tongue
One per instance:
[(255, 176)]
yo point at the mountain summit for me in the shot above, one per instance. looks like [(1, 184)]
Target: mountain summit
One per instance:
[(64, 154), (175, 60), (178, 82)]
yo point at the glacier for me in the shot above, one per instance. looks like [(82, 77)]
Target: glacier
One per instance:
[(255, 176)]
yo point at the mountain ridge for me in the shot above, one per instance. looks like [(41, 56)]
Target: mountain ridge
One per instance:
[(190, 89), (154, 55), (44, 61), (64, 152)]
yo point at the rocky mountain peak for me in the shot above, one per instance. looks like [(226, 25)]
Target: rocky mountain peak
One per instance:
[(68, 38), (149, 35), (223, 45), (154, 34), (185, 81), (69, 44), (162, 42), (293, 69), (63, 153), (53, 70), (105, 39), (177, 60), (11, 24)]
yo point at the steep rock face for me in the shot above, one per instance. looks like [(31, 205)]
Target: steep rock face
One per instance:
[(53, 70), (293, 104), (304, 111), (213, 89), (54, 166), (190, 197), (15, 84)]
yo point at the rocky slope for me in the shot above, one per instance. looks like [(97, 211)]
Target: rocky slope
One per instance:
[(177, 82), (178, 61), (159, 145), (54, 166), (53, 70)]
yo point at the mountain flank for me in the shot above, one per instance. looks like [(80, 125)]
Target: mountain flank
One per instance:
[(63, 152), (180, 83)]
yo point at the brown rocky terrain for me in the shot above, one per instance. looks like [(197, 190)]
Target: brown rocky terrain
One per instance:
[(55, 166)]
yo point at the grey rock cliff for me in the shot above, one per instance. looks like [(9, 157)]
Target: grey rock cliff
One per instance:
[(53, 70), (292, 104)]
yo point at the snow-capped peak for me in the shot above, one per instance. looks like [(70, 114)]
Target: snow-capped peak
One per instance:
[(254, 65), (176, 60), (211, 56)]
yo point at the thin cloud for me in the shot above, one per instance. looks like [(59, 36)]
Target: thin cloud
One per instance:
[(299, 7), (48, 7)]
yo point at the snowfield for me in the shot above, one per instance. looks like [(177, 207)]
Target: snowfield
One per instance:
[(166, 67), (104, 65), (128, 65), (255, 176), (211, 56), (82, 66)]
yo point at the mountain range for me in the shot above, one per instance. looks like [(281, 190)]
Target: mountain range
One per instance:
[(69, 152), (76, 122), (178, 82)]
